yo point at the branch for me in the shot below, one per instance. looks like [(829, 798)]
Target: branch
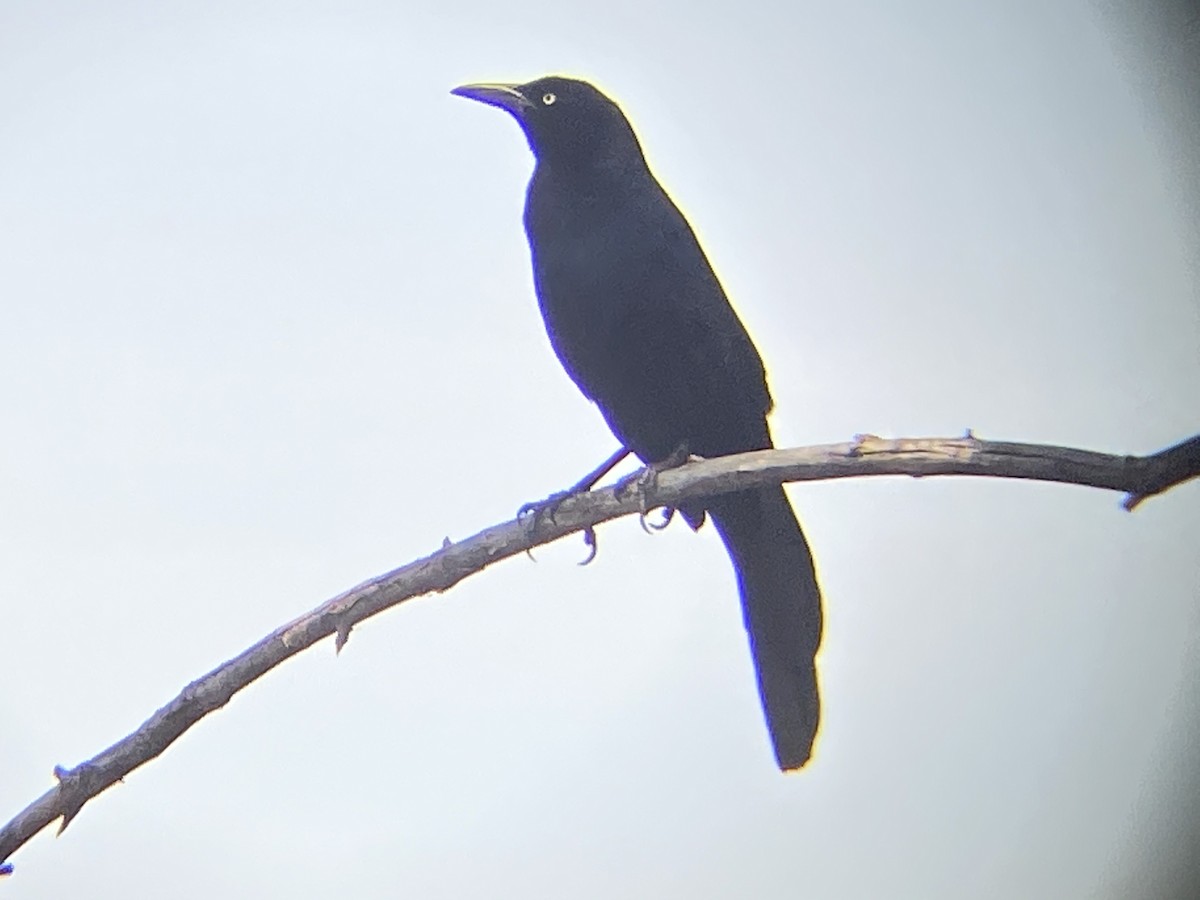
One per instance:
[(1140, 477)]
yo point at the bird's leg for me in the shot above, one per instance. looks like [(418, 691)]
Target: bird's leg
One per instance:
[(530, 513)]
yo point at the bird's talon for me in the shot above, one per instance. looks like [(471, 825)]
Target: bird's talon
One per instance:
[(589, 540), (650, 527), (668, 515)]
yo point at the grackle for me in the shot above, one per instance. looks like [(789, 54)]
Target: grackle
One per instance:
[(643, 327)]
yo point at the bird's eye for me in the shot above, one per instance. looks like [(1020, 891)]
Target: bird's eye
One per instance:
[(548, 99)]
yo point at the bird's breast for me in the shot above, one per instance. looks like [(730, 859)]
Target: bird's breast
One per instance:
[(640, 322)]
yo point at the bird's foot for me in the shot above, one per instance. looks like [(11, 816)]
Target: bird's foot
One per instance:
[(532, 514), (641, 485), (644, 484)]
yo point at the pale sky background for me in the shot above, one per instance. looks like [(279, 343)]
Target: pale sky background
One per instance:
[(268, 330)]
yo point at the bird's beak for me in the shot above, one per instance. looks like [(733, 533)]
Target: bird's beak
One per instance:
[(505, 96)]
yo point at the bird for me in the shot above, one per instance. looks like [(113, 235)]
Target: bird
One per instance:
[(639, 320)]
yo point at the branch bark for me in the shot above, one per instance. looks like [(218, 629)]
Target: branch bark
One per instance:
[(1139, 477)]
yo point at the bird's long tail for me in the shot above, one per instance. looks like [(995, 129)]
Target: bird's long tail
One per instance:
[(781, 602)]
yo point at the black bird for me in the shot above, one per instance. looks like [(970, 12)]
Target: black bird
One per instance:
[(643, 327)]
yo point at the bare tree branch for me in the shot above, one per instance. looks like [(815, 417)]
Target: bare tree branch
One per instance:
[(1139, 477)]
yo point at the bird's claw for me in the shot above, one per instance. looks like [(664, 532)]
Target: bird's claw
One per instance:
[(589, 540), (650, 527)]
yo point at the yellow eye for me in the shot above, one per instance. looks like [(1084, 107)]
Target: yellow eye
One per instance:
[(548, 99)]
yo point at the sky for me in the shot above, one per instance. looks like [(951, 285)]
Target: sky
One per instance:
[(268, 329)]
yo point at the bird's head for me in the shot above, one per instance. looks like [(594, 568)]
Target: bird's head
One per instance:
[(565, 120)]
